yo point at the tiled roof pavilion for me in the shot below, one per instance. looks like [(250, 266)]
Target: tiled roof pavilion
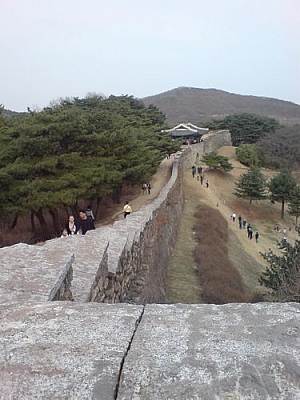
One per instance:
[(187, 130)]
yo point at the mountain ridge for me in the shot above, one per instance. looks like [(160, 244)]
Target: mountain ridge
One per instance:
[(200, 105), (197, 105)]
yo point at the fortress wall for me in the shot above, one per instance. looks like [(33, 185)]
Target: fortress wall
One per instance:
[(125, 262), (137, 267)]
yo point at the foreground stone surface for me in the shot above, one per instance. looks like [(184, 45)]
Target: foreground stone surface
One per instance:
[(62, 350), (65, 350), (31, 272), (215, 352)]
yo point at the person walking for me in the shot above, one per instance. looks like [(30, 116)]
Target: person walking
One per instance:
[(207, 183), (240, 222), (148, 187), (127, 210), (193, 170), (256, 236), (249, 232)]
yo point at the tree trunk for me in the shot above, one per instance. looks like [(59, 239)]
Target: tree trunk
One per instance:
[(41, 218), (67, 212), (282, 208), (99, 199), (14, 223), (75, 211), (117, 195), (55, 219), (32, 223)]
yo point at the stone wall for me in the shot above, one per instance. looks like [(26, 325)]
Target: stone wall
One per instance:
[(138, 273), (125, 262)]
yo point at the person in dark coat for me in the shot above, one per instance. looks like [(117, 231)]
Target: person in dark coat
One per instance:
[(85, 223)]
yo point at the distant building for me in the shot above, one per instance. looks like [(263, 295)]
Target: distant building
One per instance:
[(189, 133)]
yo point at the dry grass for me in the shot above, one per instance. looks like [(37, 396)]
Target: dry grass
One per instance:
[(220, 281), (182, 282)]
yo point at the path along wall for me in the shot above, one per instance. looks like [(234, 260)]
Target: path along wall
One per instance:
[(137, 272), (125, 262)]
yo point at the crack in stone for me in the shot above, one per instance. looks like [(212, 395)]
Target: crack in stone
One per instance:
[(137, 323)]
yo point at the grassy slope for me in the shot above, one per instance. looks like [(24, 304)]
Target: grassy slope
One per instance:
[(182, 281)]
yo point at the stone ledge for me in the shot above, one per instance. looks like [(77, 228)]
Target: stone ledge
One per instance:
[(63, 350), (82, 351), (234, 351)]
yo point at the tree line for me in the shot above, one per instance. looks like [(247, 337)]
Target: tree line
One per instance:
[(76, 149), (262, 141)]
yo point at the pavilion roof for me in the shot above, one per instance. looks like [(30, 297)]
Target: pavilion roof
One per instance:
[(185, 129)]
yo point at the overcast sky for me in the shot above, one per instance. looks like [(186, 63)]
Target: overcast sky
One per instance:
[(58, 48)]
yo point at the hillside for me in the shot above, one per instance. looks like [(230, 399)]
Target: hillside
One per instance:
[(199, 105)]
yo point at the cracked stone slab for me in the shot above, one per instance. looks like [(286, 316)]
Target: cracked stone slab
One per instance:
[(234, 351), (63, 350)]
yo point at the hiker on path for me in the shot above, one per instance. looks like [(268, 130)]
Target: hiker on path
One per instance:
[(240, 222), (249, 232), (233, 216), (127, 210), (193, 170), (256, 236), (201, 179), (148, 187), (207, 183), (144, 188)]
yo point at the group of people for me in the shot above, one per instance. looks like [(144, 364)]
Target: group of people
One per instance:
[(146, 187), (84, 223), (243, 224), (200, 175)]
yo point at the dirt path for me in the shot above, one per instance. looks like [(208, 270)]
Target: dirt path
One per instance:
[(136, 199)]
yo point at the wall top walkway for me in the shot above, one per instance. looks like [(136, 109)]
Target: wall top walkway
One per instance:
[(63, 350)]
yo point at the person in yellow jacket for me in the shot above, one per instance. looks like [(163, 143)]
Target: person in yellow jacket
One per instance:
[(127, 209)]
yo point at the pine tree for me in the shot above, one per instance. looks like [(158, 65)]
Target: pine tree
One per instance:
[(252, 185), (282, 275), (294, 203), (213, 160), (281, 187)]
